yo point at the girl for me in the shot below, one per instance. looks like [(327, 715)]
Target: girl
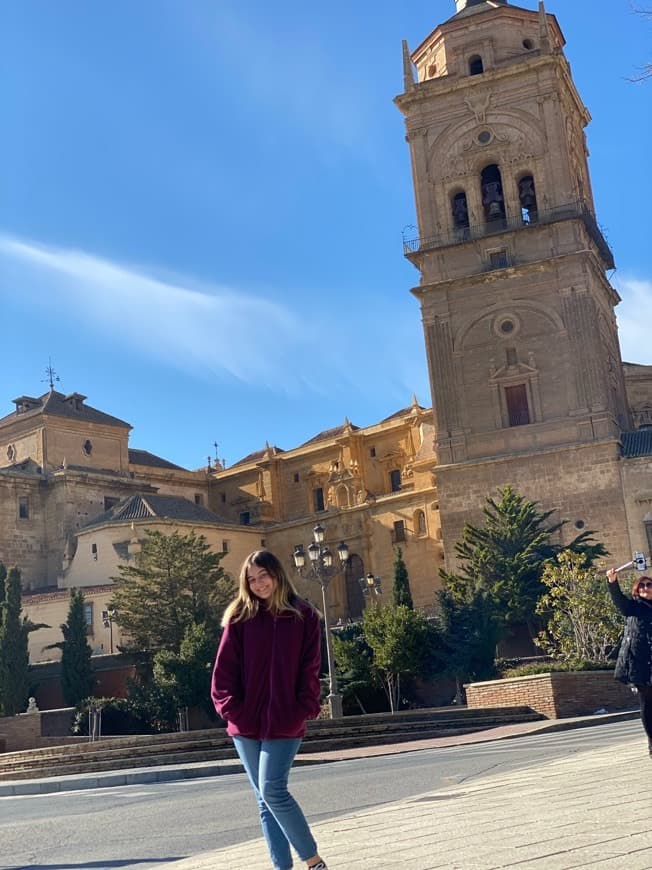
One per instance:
[(634, 664), (265, 685)]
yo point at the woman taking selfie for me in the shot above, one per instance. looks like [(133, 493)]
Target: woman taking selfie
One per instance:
[(634, 664), (266, 685)]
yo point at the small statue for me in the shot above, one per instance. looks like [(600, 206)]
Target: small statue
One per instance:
[(31, 706)]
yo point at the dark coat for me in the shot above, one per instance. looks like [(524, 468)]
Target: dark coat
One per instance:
[(634, 664), (266, 675)]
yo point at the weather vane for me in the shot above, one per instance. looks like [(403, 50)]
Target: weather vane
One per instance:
[(52, 376), (218, 462)]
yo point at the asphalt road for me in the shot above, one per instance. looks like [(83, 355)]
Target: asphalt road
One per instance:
[(140, 826)]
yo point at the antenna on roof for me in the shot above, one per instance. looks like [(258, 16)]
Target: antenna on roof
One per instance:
[(52, 376)]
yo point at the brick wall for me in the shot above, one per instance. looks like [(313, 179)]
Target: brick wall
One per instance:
[(20, 732), (555, 695)]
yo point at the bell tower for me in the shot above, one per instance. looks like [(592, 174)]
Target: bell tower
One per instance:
[(517, 309)]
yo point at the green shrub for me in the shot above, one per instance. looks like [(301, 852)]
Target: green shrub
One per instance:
[(118, 717), (531, 668)]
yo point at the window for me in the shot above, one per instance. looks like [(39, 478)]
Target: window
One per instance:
[(476, 67), (94, 552), (87, 447), (395, 479), (110, 501), (225, 546), (199, 498), (518, 411), (263, 543), (372, 452), (296, 477), (318, 499), (88, 615), (498, 259), (223, 497), (245, 518), (23, 508), (399, 532)]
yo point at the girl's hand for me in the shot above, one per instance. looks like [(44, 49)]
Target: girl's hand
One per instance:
[(612, 575)]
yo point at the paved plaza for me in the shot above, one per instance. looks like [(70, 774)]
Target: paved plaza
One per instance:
[(593, 809)]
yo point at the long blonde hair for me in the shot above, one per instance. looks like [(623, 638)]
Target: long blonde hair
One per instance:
[(245, 605)]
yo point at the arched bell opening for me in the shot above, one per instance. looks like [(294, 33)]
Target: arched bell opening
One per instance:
[(528, 199), (460, 212), (476, 67), (493, 201)]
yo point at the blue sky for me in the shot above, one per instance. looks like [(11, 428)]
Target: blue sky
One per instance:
[(201, 208)]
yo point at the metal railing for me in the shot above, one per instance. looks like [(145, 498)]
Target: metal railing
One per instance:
[(460, 235)]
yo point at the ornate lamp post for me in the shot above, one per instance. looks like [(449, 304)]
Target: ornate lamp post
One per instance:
[(371, 585), (321, 569), (108, 618)]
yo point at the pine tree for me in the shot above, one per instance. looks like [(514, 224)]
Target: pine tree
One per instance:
[(505, 558), (401, 591), (469, 635), (176, 581), (77, 678), (14, 659)]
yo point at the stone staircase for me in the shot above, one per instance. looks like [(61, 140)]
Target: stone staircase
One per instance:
[(150, 750)]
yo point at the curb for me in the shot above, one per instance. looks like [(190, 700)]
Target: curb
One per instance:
[(51, 785)]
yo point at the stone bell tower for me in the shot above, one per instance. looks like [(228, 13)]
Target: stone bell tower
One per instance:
[(518, 313)]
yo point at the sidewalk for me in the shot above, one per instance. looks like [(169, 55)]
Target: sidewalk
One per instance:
[(593, 809)]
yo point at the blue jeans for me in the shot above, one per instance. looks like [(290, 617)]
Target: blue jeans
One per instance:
[(268, 763)]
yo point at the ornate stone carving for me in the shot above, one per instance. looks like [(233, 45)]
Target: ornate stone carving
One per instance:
[(478, 104)]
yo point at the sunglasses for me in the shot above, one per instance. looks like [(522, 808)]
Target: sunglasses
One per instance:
[(646, 585)]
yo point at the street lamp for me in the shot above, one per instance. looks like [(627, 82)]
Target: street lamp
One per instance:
[(108, 618), (321, 569), (371, 585)]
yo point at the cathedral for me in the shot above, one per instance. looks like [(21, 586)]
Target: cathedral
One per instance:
[(528, 387)]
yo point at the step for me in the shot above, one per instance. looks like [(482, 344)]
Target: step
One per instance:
[(115, 753)]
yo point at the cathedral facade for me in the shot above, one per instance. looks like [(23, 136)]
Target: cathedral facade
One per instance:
[(528, 386)]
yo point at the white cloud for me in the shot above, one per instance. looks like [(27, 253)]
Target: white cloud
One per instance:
[(372, 353), (634, 318), (179, 321)]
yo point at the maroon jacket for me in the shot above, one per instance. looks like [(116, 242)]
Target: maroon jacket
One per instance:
[(266, 675)]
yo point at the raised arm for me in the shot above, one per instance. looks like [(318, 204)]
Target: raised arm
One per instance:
[(626, 605)]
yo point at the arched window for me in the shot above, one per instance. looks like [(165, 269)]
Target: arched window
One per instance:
[(528, 199), (476, 66), (460, 212), (492, 193)]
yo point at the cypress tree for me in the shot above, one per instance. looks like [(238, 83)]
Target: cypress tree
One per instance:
[(77, 678), (401, 591), (14, 658)]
